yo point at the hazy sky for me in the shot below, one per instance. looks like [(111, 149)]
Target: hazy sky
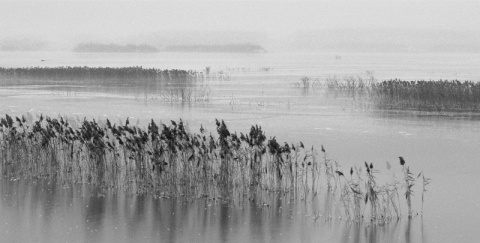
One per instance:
[(69, 19)]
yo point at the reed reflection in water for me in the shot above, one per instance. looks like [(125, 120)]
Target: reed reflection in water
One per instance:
[(44, 211)]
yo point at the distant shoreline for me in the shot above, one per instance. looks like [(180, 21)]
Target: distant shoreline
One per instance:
[(114, 48), (230, 48), (131, 48)]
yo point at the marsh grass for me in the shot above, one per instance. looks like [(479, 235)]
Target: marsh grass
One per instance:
[(440, 95), (307, 82), (169, 160), (179, 94), (427, 95), (423, 95), (350, 83), (362, 196), (94, 75)]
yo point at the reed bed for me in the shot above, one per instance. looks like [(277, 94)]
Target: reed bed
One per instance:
[(427, 95), (93, 75), (441, 95), (170, 161)]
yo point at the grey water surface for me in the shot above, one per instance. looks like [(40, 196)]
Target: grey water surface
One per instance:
[(244, 90)]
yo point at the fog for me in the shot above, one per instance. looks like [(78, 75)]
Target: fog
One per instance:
[(277, 25)]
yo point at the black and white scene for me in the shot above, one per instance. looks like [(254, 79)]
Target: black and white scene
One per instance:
[(239, 121)]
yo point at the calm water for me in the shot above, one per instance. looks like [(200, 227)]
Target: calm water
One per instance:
[(444, 146)]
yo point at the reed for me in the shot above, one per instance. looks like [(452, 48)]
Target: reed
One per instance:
[(179, 94), (170, 161), (440, 95), (350, 196), (363, 197), (409, 183), (428, 95), (307, 82), (94, 75), (425, 182), (350, 83)]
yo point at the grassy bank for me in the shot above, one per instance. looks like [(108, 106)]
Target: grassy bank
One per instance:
[(169, 160)]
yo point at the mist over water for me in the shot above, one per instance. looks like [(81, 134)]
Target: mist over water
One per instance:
[(256, 54), (393, 26)]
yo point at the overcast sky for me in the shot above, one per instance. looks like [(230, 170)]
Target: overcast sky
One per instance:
[(115, 19)]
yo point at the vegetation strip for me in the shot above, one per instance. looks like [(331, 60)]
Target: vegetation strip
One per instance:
[(171, 161), (100, 75), (441, 95)]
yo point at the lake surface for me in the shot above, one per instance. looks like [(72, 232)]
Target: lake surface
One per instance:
[(248, 89)]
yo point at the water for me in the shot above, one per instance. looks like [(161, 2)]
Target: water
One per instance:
[(444, 146), (42, 211)]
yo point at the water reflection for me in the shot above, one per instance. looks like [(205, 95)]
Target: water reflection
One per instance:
[(93, 217), (50, 212)]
